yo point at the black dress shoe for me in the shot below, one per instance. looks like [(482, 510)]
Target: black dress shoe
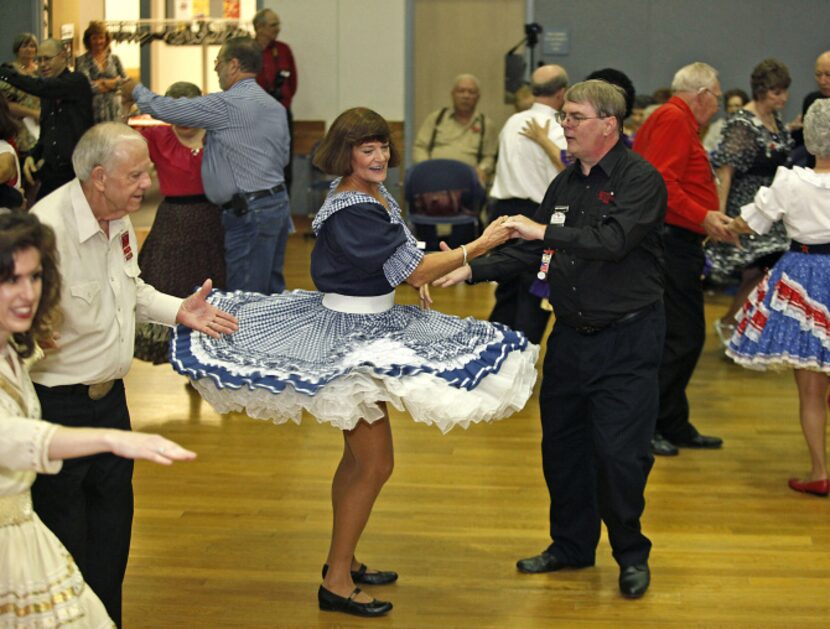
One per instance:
[(544, 562), (660, 446), (331, 602), (700, 442), (634, 580), (368, 578)]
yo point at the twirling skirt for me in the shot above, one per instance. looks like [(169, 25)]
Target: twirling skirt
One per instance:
[(337, 357), (785, 322), (40, 585)]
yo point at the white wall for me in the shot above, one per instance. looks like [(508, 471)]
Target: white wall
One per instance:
[(348, 53)]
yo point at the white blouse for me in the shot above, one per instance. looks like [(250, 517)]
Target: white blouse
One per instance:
[(801, 198), (24, 439)]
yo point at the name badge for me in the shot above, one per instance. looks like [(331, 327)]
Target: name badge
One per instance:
[(558, 216)]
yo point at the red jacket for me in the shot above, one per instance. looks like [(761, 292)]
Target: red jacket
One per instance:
[(670, 140)]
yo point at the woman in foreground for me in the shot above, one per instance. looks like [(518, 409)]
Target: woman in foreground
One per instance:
[(40, 584), (343, 353)]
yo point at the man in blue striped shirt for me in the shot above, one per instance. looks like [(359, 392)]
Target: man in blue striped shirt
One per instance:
[(246, 150)]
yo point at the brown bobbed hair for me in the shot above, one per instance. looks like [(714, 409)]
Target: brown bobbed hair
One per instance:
[(20, 231), (96, 27), (352, 128), (769, 75)]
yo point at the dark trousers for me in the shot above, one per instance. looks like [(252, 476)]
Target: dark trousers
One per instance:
[(515, 306), (598, 407), (89, 504), (685, 331)]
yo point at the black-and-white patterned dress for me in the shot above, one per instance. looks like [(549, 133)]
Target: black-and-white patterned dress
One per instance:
[(755, 153), (337, 353)]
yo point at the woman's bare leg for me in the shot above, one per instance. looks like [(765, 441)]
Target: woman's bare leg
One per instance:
[(812, 401), (366, 465)]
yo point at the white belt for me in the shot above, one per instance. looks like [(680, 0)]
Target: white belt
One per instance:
[(359, 305)]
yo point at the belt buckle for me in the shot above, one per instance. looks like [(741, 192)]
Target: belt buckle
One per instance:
[(588, 330), (99, 390)]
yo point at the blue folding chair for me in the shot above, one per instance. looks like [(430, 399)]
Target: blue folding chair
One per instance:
[(441, 192)]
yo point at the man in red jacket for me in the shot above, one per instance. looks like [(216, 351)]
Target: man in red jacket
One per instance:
[(670, 140), (278, 75)]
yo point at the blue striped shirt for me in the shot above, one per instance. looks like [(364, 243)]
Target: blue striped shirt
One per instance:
[(246, 139)]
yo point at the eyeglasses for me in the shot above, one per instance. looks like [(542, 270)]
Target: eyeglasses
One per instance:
[(574, 120), (44, 58), (706, 89)]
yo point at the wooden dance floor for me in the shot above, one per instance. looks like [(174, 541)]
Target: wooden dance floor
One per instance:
[(237, 538)]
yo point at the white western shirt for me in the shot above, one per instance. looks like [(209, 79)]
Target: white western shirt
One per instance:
[(524, 170), (102, 294)]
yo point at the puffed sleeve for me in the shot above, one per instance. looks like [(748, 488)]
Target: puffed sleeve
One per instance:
[(370, 240), (770, 203), (738, 145), (24, 445)]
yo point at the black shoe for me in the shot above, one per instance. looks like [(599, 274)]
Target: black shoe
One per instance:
[(544, 562), (330, 602), (700, 442), (660, 446), (368, 578), (634, 580)]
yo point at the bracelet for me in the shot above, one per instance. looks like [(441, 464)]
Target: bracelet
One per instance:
[(464, 251)]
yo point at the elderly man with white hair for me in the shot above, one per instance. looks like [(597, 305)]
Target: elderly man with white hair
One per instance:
[(462, 133), (670, 140), (89, 504)]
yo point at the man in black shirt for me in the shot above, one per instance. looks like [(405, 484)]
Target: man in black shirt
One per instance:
[(596, 238), (65, 113)]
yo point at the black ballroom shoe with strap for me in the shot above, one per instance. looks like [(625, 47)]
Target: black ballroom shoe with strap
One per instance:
[(368, 578), (331, 602)]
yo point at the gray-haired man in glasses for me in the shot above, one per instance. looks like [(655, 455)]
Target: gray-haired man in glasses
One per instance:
[(65, 114)]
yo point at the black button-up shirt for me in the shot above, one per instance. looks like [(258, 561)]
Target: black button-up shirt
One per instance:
[(65, 114), (608, 259)]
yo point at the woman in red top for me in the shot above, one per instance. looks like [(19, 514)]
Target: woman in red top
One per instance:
[(185, 244)]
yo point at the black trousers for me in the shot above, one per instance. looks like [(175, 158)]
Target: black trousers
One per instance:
[(685, 331), (598, 407), (89, 504), (515, 306)]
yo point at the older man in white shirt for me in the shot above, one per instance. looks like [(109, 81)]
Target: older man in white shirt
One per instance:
[(89, 505), (529, 158)]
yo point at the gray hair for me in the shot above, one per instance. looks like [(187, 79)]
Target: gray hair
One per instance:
[(97, 147), (607, 99), (260, 17), (817, 128), (551, 87), (471, 77), (694, 77)]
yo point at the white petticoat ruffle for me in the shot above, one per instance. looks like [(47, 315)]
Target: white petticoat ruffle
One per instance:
[(427, 398)]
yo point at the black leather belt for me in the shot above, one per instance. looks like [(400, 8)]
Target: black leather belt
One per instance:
[(631, 317), (822, 249), (239, 202), (683, 234), (92, 391)]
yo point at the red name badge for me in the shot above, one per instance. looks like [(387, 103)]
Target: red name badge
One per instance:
[(125, 246)]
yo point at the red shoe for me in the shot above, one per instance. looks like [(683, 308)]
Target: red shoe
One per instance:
[(815, 487)]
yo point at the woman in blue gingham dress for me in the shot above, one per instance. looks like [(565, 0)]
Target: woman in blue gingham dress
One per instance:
[(343, 353)]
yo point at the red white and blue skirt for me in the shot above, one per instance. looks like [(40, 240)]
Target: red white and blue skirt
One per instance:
[(785, 321), (337, 357)]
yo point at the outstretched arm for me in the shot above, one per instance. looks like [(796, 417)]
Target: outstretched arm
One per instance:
[(197, 314)]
